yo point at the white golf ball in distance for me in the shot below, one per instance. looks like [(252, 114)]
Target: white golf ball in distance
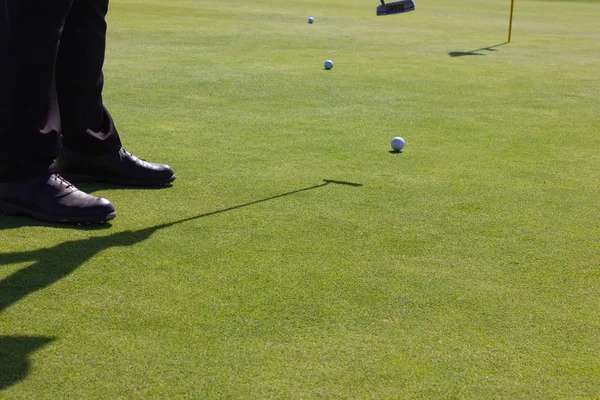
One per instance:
[(311, 20), (328, 64), (398, 143)]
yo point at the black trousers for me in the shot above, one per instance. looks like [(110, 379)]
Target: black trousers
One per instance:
[(51, 58)]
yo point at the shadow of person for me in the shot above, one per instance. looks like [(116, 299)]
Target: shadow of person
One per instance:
[(14, 357), (49, 265), (52, 264)]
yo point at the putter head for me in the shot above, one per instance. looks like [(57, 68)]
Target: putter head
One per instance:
[(397, 7)]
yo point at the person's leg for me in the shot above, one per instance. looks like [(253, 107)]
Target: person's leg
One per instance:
[(87, 126), (91, 145), (29, 117)]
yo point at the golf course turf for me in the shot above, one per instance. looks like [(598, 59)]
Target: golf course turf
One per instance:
[(296, 256)]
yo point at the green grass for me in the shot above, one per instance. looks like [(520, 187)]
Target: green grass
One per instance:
[(465, 267)]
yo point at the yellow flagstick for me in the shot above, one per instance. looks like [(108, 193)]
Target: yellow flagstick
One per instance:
[(512, 4)]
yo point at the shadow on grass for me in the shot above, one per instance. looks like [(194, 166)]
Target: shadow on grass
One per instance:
[(14, 357), (49, 265), (475, 52)]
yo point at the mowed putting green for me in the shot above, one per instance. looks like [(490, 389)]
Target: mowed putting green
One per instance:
[(295, 256)]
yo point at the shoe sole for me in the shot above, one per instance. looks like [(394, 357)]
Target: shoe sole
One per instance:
[(83, 178), (14, 210)]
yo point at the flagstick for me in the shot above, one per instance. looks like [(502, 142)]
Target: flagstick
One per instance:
[(512, 4)]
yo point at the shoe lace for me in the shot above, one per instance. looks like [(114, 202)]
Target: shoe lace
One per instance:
[(130, 154), (63, 181)]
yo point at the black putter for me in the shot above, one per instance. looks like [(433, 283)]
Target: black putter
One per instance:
[(397, 7)]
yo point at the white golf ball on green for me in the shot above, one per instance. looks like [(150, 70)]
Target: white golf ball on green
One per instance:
[(398, 143)]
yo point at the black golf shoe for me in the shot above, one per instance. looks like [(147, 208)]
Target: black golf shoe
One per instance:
[(120, 167), (53, 199)]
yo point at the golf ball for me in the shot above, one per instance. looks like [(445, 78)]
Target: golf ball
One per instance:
[(397, 143), (328, 64), (311, 20)]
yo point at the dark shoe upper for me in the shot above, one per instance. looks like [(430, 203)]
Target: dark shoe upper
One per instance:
[(52, 198), (119, 167)]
